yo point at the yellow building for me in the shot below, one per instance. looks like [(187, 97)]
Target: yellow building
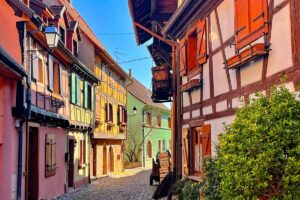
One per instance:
[(110, 117)]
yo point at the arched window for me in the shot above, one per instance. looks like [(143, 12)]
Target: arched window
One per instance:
[(149, 149)]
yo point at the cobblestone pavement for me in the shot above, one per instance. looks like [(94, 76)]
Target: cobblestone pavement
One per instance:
[(134, 186)]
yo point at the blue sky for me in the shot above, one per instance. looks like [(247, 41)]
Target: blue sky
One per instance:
[(112, 16)]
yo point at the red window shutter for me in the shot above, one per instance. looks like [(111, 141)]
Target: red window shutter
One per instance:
[(241, 21), (183, 57), (206, 140), (259, 16), (201, 43), (185, 152)]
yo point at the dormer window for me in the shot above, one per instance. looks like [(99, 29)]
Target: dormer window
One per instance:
[(62, 34), (75, 48)]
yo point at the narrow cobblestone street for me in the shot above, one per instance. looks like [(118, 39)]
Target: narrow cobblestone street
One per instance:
[(132, 185)]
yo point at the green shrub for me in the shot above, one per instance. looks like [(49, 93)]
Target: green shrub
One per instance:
[(212, 184), (259, 154), (187, 189)]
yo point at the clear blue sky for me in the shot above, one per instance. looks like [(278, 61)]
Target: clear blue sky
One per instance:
[(113, 16)]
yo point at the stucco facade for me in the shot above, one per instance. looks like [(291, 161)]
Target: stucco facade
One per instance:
[(142, 134)]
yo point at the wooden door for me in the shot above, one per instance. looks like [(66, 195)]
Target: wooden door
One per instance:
[(104, 160), (71, 164), (32, 165), (94, 160), (111, 159)]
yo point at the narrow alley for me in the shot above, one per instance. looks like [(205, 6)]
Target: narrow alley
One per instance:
[(133, 184)]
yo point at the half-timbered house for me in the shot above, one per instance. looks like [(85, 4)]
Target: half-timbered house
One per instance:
[(226, 51)]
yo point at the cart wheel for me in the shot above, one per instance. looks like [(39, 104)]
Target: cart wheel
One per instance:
[(151, 180)]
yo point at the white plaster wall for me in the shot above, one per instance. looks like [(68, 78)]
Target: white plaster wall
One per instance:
[(186, 115), (214, 32), (280, 57), (220, 78), (226, 18), (206, 85), (185, 99), (277, 2), (207, 110), (217, 127), (196, 113), (221, 106), (252, 72), (238, 102), (195, 94)]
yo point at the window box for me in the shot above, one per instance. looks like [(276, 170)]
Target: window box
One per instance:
[(193, 84), (110, 124), (246, 56)]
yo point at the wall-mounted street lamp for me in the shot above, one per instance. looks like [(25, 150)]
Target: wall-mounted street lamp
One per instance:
[(134, 111), (52, 36)]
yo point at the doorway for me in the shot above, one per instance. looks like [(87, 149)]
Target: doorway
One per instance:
[(104, 160), (111, 159), (71, 163), (32, 164), (94, 160)]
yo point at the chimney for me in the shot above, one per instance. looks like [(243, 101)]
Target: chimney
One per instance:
[(130, 73)]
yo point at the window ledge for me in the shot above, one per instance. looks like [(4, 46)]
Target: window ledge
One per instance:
[(110, 124), (81, 166), (194, 72), (192, 84), (246, 56)]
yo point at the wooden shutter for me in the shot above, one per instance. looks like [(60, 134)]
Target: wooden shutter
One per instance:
[(185, 151), (50, 71), (120, 114), (241, 21), (111, 113), (183, 57), (50, 155), (85, 100), (60, 79), (35, 67), (125, 115), (78, 91), (258, 16), (73, 88), (206, 140), (201, 43), (92, 97), (107, 112)]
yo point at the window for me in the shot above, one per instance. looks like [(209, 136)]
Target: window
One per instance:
[(158, 117), (193, 49), (149, 149), (40, 71), (75, 48), (88, 96), (82, 154), (159, 146), (109, 113), (76, 91), (169, 122), (201, 147), (149, 119), (122, 115), (62, 34), (164, 145), (56, 77), (50, 155), (251, 17)]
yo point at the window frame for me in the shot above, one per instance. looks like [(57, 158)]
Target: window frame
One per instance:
[(149, 118), (60, 28)]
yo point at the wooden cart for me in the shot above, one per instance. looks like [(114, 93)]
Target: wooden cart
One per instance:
[(161, 170)]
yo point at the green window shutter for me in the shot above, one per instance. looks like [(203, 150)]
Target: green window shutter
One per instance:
[(73, 88), (85, 100), (78, 89), (92, 97)]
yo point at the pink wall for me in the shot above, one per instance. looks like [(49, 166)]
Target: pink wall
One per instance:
[(52, 186), (9, 148)]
